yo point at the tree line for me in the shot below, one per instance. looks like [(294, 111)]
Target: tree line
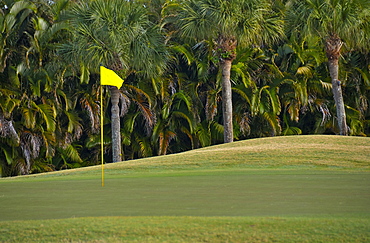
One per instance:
[(197, 73)]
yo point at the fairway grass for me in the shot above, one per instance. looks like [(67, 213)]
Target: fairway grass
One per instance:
[(282, 189), (187, 229)]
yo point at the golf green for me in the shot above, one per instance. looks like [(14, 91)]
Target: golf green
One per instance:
[(229, 192)]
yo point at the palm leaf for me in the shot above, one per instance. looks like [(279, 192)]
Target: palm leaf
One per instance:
[(29, 117), (305, 70), (189, 57), (165, 137), (23, 7), (129, 122), (145, 146), (203, 134), (242, 92), (325, 85), (8, 156), (274, 100), (365, 75), (146, 112), (245, 76), (182, 96), (48, 115), (72, 154), (292, 131), (217, 131), (274, 122), (179, 114), (73, 121), (8, 105)]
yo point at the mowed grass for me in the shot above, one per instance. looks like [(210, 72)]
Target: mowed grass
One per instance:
[(282, 189), (187, 229)]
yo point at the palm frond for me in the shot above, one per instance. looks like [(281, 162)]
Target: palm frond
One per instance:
[(179, 114), (8, 156), (188, 56), (165, 137), (48, 115), (292, 131), (145, 146), (7, 130), (29, 118), (72, 154), (243, 93), (203, 134), (274, 122)]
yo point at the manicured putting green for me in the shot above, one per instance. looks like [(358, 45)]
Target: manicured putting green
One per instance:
[(242, 192), (281, 189)]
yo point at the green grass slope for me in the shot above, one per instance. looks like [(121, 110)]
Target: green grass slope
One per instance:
[(274, 152), (281, 189), (288, 152)]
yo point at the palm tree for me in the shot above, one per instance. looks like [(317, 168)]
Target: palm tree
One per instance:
[(338, 23), (229, 24), (119, 35)]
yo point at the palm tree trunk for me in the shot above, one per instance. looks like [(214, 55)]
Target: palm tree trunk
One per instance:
[(227, 107), (338, 97), (333, 45), (116, 125)]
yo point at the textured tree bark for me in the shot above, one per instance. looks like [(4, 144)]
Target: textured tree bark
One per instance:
[(116, 125), (333, 46), (338, 97), (227, 107)]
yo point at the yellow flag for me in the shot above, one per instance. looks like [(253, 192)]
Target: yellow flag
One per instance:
[(109, 77)]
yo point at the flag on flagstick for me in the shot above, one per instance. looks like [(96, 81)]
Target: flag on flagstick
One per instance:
[(107, 77)]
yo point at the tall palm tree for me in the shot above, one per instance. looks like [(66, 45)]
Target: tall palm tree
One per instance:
[(338, 23), (119, 35), (229, 24)]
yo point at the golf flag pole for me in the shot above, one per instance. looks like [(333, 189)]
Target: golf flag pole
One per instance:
[(102, 136), (107, 77)]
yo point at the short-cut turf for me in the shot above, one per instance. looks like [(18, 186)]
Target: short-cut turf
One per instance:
[(299, 180)]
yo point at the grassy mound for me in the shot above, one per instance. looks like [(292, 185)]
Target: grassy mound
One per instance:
[(288, 152), (273, 152), (299, 188)]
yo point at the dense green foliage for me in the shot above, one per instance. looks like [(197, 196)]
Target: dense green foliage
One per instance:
[(171, 98)]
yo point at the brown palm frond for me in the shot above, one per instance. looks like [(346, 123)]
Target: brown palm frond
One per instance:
[(165, 138), (142, 100), (7, 130), (93, 111), (30, 145), (333, 46), (124, 104)]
